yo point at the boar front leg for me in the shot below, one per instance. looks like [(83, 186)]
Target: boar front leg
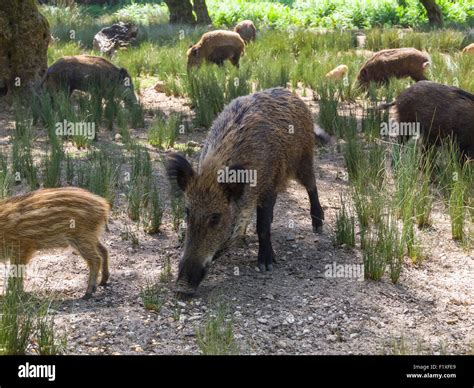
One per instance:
[(266, 254), (20, 257)]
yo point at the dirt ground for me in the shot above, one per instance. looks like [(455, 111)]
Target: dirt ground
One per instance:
[(294, 310)]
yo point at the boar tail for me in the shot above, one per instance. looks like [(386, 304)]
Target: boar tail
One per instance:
[(385, 106), (322, 137)]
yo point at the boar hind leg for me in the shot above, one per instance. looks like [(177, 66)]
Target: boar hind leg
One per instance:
[(235, 60), (105, 264), (266, 255), (317, 214), (305, 176), (91, 255)]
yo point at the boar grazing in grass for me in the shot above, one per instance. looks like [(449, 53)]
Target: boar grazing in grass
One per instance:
[(254, 147), (441, 111), (56, 218), (469, 49), (216, 47), (89, 73), (398, 63), (247, 31)]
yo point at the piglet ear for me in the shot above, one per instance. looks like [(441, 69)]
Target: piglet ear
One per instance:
[(179, 170), (234, 190)]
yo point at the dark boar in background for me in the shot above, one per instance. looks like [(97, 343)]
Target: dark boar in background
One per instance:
[(89, 73), (398, 63), (441, 111), (247, 31)]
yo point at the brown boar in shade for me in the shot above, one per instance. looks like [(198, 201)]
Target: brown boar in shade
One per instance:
[(89, 73), (441, 111), (398, 63), (247, 31), (56, 218), (267, 136), (216, 47)]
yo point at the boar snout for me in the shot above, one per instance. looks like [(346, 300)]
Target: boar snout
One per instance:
[(190, 275)]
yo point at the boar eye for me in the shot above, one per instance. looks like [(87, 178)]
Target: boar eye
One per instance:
[(186, 211), (214, 219)]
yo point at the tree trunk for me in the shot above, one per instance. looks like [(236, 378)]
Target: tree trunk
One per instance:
[(110, 39), (24, 39), (202, 14), (435, 16), (181, 12)]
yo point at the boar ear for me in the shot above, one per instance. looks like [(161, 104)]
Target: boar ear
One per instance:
[(232, 190), (179, 170)]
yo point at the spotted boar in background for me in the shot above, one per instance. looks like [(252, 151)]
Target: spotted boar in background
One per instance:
[(254, 147), (56, 218), (247, 31), (338, 72), (398, 63), (216, 47), (469, 49), (441, 111), (89, 73)]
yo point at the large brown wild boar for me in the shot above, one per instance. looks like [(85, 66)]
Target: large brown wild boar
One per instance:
[(89, 73), (254, 147), (56, 218), (398, 63), (441, 111), (216, 47), (247, 31)]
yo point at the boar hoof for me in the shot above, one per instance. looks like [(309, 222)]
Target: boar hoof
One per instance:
[(264, 268), (184, 295), (87, 296), (318, 229), (184, 291)]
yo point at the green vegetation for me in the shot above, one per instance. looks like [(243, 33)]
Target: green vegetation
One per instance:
[(150, 295), (342, 14), (27, 324), (216, 336)]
